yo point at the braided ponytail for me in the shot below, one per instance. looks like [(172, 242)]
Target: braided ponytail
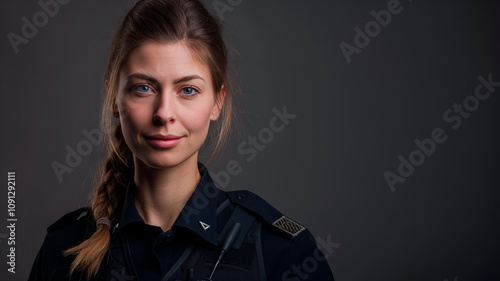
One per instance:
[(106, 198), (163, 21)]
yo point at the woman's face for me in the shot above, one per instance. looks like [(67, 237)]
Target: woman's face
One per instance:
[(165, 103)]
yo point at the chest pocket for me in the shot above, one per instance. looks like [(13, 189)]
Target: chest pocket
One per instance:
[(242, 264), (118, 265)]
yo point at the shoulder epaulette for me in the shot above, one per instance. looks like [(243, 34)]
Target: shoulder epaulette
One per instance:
[(259, 207), (69, 218)]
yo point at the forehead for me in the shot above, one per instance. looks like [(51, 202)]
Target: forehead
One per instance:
[(165, 61)]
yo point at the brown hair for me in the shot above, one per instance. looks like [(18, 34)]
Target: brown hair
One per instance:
[(163, 21)]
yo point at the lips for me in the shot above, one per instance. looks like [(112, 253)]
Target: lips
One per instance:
[(163, 141)]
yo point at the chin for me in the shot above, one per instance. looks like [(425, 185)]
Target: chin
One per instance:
[(163, 163), (167, 160)]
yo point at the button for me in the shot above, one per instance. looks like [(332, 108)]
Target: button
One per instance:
[(168, 236)]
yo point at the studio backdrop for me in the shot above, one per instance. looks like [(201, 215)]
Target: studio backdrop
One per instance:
[(373, 123)]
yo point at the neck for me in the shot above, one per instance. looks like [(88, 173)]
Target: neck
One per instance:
[(161, 194)]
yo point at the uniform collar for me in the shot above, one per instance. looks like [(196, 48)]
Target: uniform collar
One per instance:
[(199, 215)]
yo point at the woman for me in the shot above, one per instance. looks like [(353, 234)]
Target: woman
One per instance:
[(157, 215)]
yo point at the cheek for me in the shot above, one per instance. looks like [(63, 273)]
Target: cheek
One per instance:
[(197, 119), (133, 116)]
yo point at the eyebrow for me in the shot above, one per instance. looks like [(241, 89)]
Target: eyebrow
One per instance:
[(176, 81), (142, 77), (187, 78)]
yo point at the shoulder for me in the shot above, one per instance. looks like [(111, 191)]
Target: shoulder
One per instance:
[(66, 232), (79, 216), (70, 229), (285, 242), (270, 216)]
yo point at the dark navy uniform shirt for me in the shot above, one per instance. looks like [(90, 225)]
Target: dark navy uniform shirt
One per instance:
[(269, 246)]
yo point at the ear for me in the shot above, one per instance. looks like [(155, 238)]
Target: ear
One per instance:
[(115, 108), (218, 104)]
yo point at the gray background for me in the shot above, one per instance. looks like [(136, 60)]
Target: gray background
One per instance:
[(325, 169)]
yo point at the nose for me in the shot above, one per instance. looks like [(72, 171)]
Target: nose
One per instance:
[(164, 112)]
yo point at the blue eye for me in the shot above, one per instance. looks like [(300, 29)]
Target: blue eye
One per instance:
[(143, 89), (188, 91)]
